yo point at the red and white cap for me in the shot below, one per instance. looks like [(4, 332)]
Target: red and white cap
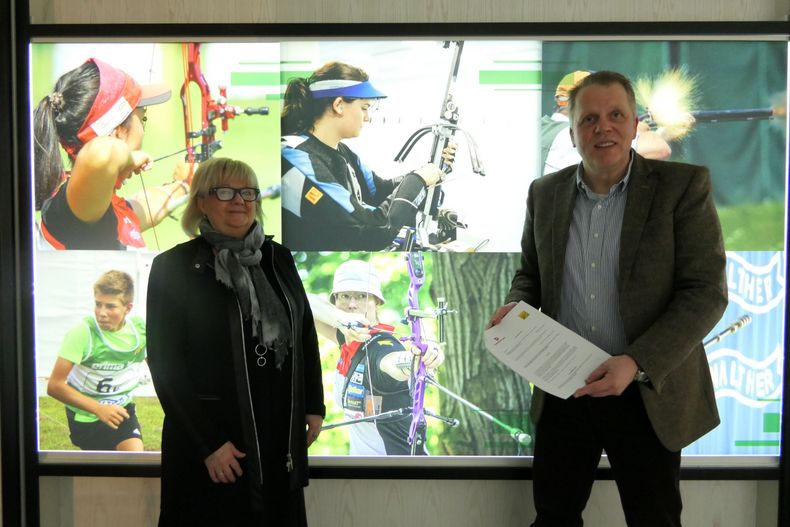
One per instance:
[(118, 96)]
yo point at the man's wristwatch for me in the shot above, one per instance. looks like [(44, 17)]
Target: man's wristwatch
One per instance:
[(641, 376)]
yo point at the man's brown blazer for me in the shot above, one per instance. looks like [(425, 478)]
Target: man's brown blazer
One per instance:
[(672, 284)]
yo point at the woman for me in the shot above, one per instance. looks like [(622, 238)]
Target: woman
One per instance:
[(330, 199), (373, 368), (97, 114), (234, 358)]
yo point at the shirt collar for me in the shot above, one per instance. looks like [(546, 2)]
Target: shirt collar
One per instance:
[(620, 186)]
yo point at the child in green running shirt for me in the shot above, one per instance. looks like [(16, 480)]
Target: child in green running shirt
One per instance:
[(98, 367)]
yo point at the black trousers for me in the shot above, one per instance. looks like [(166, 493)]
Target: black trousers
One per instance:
[(570, 437)]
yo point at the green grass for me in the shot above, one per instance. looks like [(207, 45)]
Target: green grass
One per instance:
[(53, 429), (753, 227)]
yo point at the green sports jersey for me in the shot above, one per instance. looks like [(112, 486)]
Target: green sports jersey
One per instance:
[(107, 364)]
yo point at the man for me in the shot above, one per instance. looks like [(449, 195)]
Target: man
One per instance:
[(627, 253), (98, 367), (556, 147), (373, 369)]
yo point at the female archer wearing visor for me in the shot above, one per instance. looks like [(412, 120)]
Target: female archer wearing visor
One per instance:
[(97, 114), (331, 200)]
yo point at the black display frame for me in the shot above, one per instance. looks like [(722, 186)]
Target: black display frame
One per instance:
[(21, 466)]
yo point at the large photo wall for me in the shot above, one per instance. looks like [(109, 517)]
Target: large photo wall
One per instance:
[(721, 104)]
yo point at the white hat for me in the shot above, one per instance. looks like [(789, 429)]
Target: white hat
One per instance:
[(356, 275)]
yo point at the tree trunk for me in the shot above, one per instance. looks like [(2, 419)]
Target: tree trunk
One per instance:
[(475, 285)]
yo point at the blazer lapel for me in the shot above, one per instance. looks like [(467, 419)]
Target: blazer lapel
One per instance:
[(564, 201), (641, 188)]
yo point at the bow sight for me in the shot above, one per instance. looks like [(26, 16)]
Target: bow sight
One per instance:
[(436, 225)]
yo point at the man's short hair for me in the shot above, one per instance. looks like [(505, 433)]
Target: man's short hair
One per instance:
[(115, 283), (602, 78)]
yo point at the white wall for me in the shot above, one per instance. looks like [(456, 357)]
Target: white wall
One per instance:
[(134, 502), (86, 502)]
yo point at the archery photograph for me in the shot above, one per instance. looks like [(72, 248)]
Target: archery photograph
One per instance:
[(400, 187), (405, 370), (382, 137), (119, 129)]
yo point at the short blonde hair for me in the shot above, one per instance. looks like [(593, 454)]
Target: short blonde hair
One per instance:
[(116, 283), (214, 173)]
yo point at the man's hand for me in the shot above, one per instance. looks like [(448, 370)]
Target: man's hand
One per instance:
[(610, 378), (223, 465), (314, 423), (112, 415), (500, 313)]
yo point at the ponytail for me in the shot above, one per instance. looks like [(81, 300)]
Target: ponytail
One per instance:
[(56, 120), (300, 109)]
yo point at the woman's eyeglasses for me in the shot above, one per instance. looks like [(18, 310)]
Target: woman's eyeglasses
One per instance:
[(228, 193)]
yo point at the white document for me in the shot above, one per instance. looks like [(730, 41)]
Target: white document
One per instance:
[(543, 351)]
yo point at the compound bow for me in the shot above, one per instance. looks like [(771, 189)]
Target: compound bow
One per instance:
[(436, 225), (211, 109)]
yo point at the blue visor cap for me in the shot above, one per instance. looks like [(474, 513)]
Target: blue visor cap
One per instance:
[(345, 88)]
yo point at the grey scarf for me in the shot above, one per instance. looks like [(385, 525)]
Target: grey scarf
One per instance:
[(237, 266)]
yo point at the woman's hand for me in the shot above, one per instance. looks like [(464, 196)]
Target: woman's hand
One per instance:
[(448, 154), (223, 465), (433, 357), (353, 326), (140, 161), (430, 174), (184, 171), (314, 423)]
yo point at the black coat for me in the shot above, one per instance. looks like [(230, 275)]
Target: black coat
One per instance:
[(196, 355)]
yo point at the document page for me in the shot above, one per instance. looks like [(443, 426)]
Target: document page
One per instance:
[(543, 351)]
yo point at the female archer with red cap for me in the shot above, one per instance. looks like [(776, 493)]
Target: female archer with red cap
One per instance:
[(97, 114)]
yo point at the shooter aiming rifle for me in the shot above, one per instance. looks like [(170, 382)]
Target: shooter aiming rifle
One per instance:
[(436, 225), (718, 116), (721, 116), (669, 100)]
